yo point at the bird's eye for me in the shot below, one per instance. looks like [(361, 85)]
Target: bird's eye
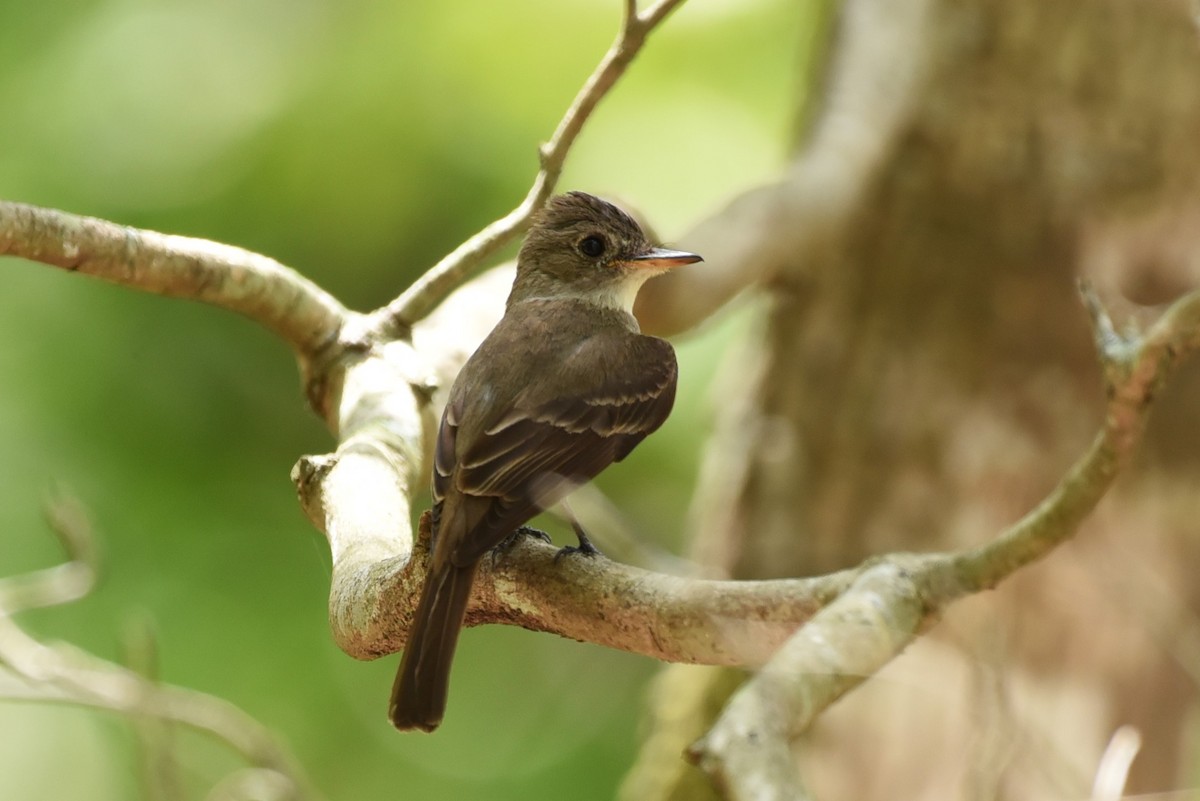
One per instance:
[(592, 246)]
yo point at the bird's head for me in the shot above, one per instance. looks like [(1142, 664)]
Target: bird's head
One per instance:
[(584, 247)]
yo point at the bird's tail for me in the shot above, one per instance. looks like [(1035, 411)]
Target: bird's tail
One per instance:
[(419, 694)]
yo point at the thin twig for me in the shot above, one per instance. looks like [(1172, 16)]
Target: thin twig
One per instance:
[(63, 583), (32, 670), (428, 290), (159, 768)]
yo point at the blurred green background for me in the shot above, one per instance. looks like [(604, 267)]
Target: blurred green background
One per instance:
[(356, 142)]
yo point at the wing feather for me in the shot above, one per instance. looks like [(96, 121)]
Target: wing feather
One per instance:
[(539, 450)]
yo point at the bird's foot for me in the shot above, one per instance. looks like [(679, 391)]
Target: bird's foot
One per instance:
[(584, 547), (509, 542)]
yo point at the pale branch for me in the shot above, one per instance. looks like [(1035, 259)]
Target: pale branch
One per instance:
[(62, 583), (369, 384), (33, 671), (428, 290), (747, 752), (1135, 367), (373, 393), (157, 753), (361, 497), (890, 603), (665, 617), (594, 600), (1112, 773), (305, 316)]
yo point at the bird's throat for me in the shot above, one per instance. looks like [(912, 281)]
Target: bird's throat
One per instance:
[(620, 295), (617, 295)]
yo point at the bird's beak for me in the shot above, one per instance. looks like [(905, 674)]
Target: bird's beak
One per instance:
[(664, 259)]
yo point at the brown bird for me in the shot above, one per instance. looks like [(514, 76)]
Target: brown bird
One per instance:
[(563, 386)]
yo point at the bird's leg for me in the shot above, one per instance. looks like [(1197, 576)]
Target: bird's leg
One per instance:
[(585, 546)]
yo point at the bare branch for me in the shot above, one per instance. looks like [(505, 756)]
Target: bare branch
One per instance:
[(1113, 771), (304, 315), (1134, 369), (891, 603), (31, 670), (747, 752), (428, 290), (593, 600), (63, 583), (665, 617)]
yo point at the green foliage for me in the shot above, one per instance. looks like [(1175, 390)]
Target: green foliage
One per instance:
[(356, 142)]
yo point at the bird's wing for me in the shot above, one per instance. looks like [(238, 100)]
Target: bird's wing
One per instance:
[(541, 448), (443, 455)]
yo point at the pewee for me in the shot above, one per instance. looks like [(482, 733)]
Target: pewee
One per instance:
[(563, 386)]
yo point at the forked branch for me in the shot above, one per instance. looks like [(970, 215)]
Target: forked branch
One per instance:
[(893, 601), (429, 290)]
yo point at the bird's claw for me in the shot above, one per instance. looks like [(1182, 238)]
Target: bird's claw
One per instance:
[(584, 548), (529, 531), (509, 542)]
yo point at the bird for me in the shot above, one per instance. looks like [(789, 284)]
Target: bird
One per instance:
[(562, 387)]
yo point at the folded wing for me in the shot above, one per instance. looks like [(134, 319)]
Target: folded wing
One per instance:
[(540, 449)]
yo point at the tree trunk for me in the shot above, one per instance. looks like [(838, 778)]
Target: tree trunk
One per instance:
[(926, 374)]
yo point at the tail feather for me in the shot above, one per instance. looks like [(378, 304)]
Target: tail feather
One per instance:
[(419, 694)]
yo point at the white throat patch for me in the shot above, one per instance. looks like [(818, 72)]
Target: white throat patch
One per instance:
[(618, 296), (621, 295)]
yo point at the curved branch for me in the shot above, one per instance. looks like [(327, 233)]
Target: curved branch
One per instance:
[(595, 600), (1135, 367), (748, 749), (891, 603), (278, 298), (361, 497), (31, 670), (428, 290)]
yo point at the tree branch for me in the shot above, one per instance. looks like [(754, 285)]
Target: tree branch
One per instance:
[(892, 602), (377, 399), (31, 670), (356, 498), (747, 752), (428, 290), (301, 313), (374, 391)]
